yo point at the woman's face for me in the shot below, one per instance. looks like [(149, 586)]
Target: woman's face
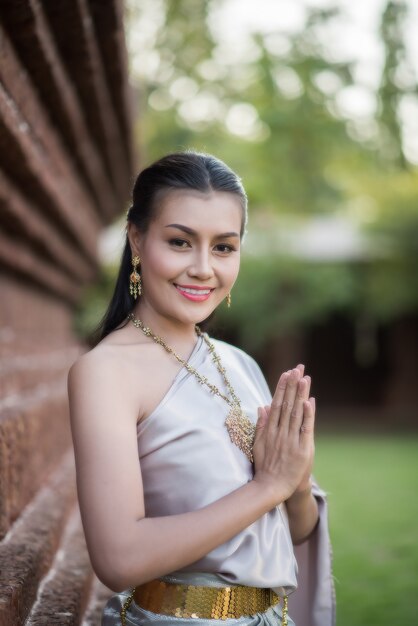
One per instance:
[(190, 254)]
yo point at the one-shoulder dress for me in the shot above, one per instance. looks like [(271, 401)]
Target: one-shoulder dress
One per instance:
[(187, 461)]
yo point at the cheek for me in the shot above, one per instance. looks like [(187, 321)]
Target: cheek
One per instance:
[(228, 269), (234, 273), (161, 261)]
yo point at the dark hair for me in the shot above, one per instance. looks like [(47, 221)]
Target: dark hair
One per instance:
[(179, 170)]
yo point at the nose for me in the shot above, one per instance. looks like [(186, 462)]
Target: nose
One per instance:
[(201, 266)]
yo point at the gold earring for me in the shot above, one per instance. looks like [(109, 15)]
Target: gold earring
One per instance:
[(228, 300), (135, 279)]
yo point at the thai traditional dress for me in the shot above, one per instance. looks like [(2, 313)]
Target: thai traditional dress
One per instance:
[(188, 461)]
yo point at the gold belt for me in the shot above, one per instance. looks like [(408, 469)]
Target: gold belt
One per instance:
[(194, 601)]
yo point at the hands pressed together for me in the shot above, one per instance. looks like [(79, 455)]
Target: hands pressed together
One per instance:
[(283, 447)]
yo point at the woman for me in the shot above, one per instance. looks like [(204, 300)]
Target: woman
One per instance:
[(194, 484)]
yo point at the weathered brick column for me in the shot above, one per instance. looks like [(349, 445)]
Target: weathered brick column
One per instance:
[(66, 168)]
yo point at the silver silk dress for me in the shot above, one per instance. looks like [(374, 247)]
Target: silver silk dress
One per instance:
[(188, 461)]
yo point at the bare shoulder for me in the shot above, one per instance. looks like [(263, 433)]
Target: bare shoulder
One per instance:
[(101, 365), (112, 372), (136, 374), (104, 357)]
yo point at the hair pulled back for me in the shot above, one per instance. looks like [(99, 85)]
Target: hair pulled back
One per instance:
[(179, 170)]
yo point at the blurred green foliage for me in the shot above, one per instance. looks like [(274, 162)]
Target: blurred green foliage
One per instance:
[(289, 294), (294, 294), (297, 153)]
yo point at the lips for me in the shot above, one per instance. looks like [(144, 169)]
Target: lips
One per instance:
[(193, 292)]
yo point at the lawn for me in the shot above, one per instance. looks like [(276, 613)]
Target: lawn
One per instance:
[(372, 485)]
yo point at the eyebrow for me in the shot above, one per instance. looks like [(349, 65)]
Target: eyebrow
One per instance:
[(190, 231)]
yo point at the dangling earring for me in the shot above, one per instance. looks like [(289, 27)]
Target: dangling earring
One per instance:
[(135, 279), (228, 300)]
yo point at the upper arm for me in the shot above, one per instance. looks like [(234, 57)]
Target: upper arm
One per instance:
[(109, 482)]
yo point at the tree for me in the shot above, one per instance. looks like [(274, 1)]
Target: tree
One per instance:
[(391, 89), (273, 117)]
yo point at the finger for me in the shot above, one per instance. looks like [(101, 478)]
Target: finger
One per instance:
[(296, 415), (313, 402), (306, 386), (279, 392), (289, 399), (276, 404), (301, 367), (260, 424), (262, 416), (261, 421), (307, 428)]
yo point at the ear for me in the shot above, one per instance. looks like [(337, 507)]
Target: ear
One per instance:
[(135, 238)]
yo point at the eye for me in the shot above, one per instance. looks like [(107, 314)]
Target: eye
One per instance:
[(226, 247), (178, 243)]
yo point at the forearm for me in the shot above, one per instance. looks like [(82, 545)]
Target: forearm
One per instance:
[(160, 545), (302, 509)]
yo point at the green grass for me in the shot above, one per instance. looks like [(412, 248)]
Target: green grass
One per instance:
[(372, 485)]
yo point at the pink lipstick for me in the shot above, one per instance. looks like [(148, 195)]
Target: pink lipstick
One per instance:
[(191, 292)]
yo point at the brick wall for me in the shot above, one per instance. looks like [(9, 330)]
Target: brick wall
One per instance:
[(66, 167)]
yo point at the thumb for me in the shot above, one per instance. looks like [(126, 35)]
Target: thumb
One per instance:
[(261, 421)]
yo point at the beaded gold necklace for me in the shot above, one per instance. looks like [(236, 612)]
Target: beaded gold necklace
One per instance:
[(240, 428)]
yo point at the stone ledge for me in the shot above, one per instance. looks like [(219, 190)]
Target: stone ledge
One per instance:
[(33, 438), (27, 551), (84, 64), (35, 230), (108, 20), (63, 593), (36, 45), (34, 170)]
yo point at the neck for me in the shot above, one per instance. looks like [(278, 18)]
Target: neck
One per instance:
[(171, 330)]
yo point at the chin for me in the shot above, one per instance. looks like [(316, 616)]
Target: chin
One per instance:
[(198, 316), (191, 312)]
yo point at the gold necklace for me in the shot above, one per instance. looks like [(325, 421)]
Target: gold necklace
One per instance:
[(240, 428)]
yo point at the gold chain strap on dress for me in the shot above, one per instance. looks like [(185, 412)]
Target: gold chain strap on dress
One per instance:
[(126, 606), (202, 379), (240, 428)]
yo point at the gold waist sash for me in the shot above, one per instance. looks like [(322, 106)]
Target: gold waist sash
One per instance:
[(198, 601)]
